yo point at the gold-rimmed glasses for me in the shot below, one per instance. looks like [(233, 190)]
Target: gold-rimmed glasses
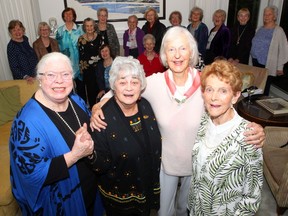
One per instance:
[(51, 76)]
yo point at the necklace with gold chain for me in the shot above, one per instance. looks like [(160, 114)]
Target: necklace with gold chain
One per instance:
[(239, 36), (75, 113)]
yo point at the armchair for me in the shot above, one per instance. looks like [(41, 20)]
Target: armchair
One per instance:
[(275, 157)]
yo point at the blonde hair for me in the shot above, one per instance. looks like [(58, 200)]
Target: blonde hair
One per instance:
[(151, 9), (43, 24), (221, 12), (225, 71), (244, 10)]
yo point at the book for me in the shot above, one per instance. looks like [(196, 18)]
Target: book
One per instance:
[(274, 105)]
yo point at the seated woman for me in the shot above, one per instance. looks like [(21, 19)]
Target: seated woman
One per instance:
[(45, 44), (227, 174), (149, 58), (103, 68), (129, 149)]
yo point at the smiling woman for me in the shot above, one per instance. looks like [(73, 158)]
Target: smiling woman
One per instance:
[(220, 138), (56, 146), (128, 157)]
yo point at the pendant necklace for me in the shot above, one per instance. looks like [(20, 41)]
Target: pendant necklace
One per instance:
[(239, 36), (64, 119)]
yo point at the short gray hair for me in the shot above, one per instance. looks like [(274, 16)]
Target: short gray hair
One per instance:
[(149, 36), (49, 58), (130, 66), (196, 9), (170, 36), (274, 9), (221, 12)]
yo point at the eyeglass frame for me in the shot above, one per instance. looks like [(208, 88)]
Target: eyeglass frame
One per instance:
[(56, 74)]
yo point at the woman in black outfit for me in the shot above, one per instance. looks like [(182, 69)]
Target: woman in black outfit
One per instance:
[(241, 38), (154, 26)]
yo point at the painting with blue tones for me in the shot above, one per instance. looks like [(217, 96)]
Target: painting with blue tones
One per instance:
[(119, 10)]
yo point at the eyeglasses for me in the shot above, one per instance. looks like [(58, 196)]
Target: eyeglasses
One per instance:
[(51, 76)]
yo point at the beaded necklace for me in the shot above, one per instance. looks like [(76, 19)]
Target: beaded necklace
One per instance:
[(64, 119)]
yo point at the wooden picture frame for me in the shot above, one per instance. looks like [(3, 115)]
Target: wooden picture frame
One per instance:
[(118, 10)]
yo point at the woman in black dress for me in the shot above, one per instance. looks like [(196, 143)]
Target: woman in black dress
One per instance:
[(241, 38), (89, 44)]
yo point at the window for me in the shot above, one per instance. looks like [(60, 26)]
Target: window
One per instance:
[(235, 5)]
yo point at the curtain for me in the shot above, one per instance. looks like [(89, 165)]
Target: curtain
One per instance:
[(28, 12), (278, 4), (209, 7)]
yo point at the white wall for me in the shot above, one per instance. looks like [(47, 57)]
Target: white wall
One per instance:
[(54, 8)]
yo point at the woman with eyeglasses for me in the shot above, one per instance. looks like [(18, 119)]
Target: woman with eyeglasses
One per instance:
[(50, 144), (106, 31), (44, 44)]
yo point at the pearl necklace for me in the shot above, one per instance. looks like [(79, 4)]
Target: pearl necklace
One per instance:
[(64, 119), (215, 145)]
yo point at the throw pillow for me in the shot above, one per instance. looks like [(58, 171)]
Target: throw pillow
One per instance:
[(9, 103)]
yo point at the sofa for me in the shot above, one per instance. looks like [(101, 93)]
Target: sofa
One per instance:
[(13, 95), (275, 166)]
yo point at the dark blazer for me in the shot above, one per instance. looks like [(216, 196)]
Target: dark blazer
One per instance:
[(241, 51), (22, 58), (219, 45), (201, 36), (41, 50), (128, 161), (139, 38), (157, 31)]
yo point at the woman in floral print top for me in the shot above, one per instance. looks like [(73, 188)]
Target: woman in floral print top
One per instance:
[(227, 173), (88, 45)]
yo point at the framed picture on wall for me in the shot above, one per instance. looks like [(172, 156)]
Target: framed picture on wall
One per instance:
[(119, 10)]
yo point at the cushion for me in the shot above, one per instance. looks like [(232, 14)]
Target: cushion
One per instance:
[(9, 103), (276, 160)]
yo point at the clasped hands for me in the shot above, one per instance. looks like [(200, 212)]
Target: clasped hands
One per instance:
[(83, 144)]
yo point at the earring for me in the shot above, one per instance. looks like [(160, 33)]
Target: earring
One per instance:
[(40, 84)]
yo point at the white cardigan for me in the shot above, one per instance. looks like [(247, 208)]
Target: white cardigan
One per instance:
[(278, 51)]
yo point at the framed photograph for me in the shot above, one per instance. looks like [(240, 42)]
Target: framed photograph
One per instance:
[(119, 10)]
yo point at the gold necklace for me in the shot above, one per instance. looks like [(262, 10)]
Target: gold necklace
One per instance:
[(64, 119), (239, 36)]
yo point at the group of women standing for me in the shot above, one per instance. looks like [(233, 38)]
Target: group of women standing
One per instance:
[(268, 47), (125, 154), (80, 43)]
